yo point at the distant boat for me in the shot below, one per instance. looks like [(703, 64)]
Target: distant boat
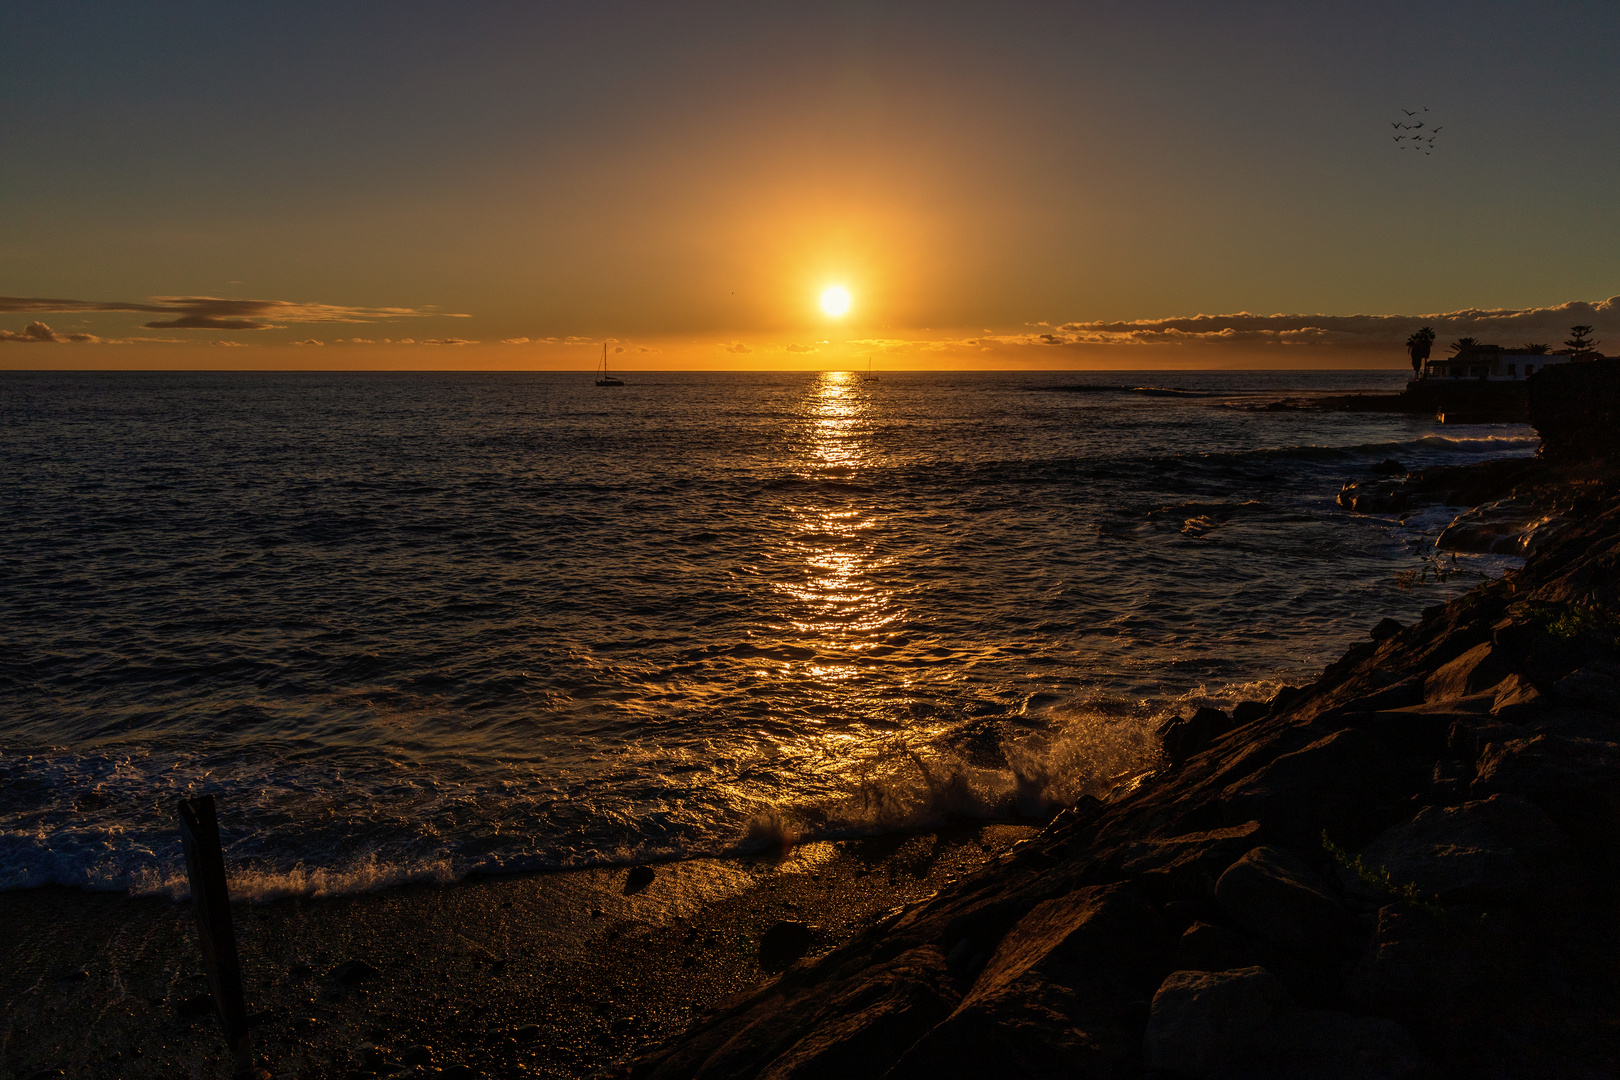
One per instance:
[(603, 378), (869, 377)]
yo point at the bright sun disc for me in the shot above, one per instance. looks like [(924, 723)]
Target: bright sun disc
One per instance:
[(835, 300)]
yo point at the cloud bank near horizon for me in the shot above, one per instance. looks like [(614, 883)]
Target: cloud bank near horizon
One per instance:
[(216, 313), (1506, 325)]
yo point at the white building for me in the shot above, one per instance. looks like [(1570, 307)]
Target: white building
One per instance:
[(1490, 364)]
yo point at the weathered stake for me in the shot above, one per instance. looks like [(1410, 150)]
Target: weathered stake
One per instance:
[(205, 866)]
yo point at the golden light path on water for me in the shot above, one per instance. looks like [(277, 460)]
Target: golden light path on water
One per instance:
[(858, 754)]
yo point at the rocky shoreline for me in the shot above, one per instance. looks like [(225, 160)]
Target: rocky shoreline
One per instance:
[(1406, 869)]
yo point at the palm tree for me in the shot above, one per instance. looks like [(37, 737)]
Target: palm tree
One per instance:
[(1581, 345), (1462, 345), (1535, 350), (1417, 346)]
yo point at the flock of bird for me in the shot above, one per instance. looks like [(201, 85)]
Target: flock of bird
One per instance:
[(1416, 135)]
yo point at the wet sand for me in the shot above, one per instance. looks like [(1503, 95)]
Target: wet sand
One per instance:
[(554, 975)]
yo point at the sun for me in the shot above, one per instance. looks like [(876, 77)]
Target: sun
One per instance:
[(835, 300)]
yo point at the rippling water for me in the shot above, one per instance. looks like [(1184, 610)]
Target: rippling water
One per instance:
[(416, 625)]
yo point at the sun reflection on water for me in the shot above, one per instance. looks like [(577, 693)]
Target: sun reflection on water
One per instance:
[(839, 601)]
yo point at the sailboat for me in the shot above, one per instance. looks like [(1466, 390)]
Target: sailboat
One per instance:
[(869, 377), (604, 379)]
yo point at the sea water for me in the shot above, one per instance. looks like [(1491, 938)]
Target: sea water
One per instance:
[(415, 626)]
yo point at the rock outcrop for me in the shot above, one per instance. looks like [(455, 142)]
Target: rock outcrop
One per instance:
[(1408, 868)]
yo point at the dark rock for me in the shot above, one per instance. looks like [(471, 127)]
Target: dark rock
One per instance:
[(1476, 670), (1577, 781), (526, 1033), (1183, 737), (1389, 467), (1187, 867), (1386, 629), (353, 972), (855, 1026), (1247, 712), (1518, 701), (417, 1055), (1592, 687), (1203, 1021), (1576, 410), (459, 1072), (1401, 694), (638, 879), (784, 943), (1311, 1044), (1048, 1002), (1275, 896), (1208, 947), (1283, 698), (1415, 966), (1501, 846), (1342, 782)]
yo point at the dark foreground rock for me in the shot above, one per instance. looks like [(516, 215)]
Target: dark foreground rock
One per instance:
[(1406, 869)]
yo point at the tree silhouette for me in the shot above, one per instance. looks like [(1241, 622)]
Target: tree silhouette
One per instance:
[(1417, 346), (1462, 345), (1581, 345), (1535, 350)]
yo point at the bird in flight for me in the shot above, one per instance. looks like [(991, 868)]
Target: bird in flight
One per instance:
[(1407, 131)]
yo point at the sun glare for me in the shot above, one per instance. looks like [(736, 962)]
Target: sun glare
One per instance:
[(835, 300)]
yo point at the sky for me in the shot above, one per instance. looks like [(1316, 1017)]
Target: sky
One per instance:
[(996, 185)]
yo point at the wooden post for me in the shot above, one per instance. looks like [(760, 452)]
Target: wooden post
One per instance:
[(205, 866)]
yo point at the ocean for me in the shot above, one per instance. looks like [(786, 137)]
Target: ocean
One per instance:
[(416, 626)]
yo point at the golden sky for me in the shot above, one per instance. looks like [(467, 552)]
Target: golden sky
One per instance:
[(1016, 185)]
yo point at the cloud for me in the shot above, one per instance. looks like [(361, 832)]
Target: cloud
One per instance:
[(309, 341), (1507, 325), (446, 341), (216, 313), (37, 332), (801, 348), (232, 344), (514, 341), (647, 349), (736, 347)]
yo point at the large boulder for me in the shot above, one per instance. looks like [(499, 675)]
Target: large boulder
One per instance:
[(1277, 897), (1049, 1002), (1315, 1044), (1416, 965), (1241, 1025), (1205, 1020), (1211, 947), (1496, 848), (1344, 781), (1577, 781), (1183, 736), (1476, 670)]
